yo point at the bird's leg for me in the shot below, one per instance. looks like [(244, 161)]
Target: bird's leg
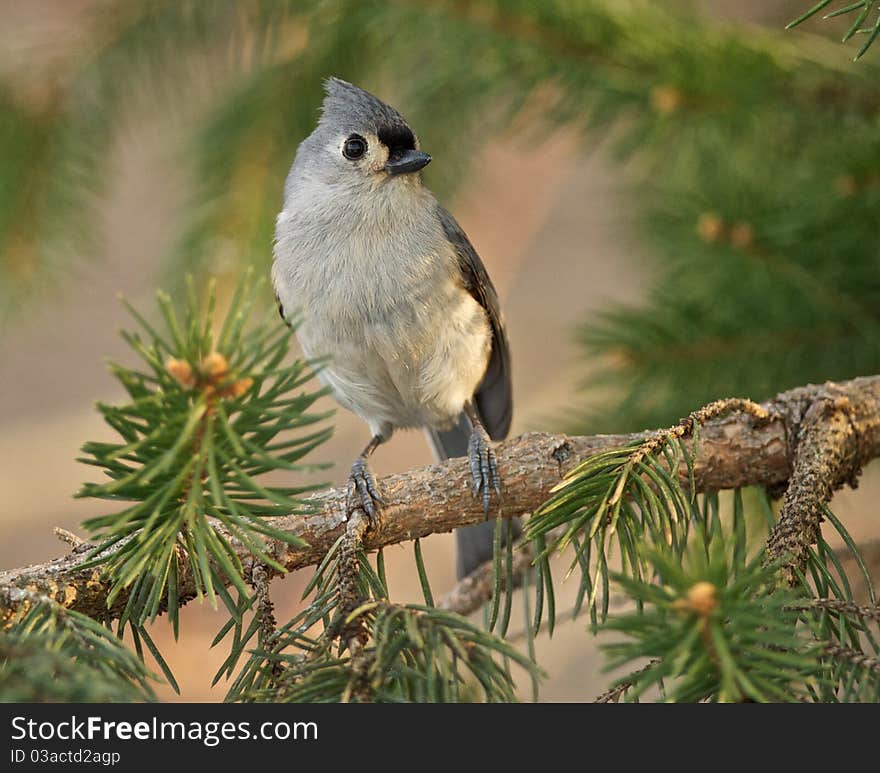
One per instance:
[(484, 467), (362, 492)]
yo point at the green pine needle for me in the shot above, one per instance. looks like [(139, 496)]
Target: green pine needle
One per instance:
[(207, 419), (415, 653), (714, 630), (616, 498), (52, 654), (861, 11)]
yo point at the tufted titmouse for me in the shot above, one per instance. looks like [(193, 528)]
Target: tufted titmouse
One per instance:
[(387, 287)]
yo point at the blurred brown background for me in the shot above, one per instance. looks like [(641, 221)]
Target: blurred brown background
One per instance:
[(549, 223)]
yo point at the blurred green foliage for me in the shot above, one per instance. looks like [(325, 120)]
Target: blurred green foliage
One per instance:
[(752, 161)]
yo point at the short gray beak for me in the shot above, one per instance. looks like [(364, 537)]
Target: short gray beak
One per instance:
[(406, 161)]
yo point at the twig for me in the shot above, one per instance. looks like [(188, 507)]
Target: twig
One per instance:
[(855, 657), (614, 694), (69, 537), (829, 442), (353, 632), (844, 607), (265, 609)]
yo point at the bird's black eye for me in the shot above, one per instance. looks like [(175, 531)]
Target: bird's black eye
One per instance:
[(354, 147)]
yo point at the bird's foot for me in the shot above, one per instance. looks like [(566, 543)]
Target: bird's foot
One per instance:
[(363, 493), (484, 467)]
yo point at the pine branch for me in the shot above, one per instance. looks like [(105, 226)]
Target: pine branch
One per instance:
[(829, 443), (850, 609), (265, 609), (853, 657), (733, 452), (350, 596), (614, 694)]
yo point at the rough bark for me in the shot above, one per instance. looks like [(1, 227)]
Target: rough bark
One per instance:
[(735, 451), (836, 434)]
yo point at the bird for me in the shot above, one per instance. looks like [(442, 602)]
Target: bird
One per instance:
[(381, 283)]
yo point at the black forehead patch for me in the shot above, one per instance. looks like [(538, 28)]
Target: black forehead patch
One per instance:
[(396, 137)]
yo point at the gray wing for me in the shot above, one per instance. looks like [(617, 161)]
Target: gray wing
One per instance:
[(494, 396)]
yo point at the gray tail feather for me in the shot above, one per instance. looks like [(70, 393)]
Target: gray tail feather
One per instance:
[(473, 543)]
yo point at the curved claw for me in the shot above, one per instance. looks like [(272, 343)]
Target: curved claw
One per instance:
[(484, 467), (363, 493)]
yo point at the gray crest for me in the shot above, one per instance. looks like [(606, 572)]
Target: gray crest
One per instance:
[(349, 108)]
